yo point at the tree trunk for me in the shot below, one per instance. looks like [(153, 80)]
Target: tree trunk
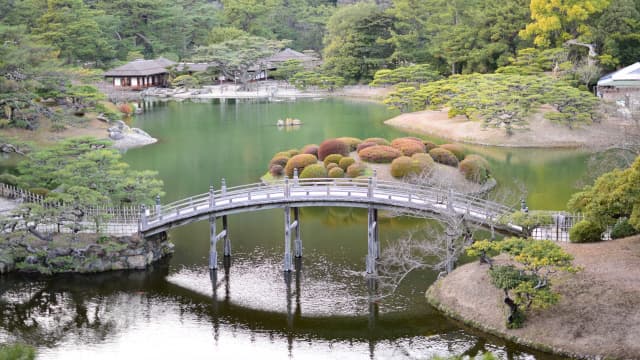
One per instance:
[(513, 309)]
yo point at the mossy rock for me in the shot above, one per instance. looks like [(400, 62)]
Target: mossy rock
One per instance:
[(313, 171)]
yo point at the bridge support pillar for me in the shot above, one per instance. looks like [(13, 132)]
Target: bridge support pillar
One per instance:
[(213, 236), (298, 241), (373, 243), (227, 241), (287, 239)]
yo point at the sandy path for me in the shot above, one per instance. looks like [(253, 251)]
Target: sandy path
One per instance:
[(598, 315), (541, 132)]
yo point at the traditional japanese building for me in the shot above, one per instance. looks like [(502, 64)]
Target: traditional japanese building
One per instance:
[(140, 74), (622, 86)]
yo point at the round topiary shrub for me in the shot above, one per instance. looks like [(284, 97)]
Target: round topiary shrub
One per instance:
[(293, 152), (622, 229), (310, 149), (474, 168), (585, 231), (364, 145), (377, 141), (355, 170), (313, 171), (352, 142), (282, 154), (299, 162), (422, 162), (333, 158), (401, 167), (428, 145), (336, 172), (408, 145), (330, 166), (276, 170), (379, 154), (332, 146), (345, 162), (456, 149), (279, 160), (443, 156)]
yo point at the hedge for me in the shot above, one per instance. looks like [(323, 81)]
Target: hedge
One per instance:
[(333, 158), (585, 231), (313, 171), (443, 156), (408, 146), (364, 145), (332, 146), (377, 141), (401, 167), (422, 162), (355, 170), (474, 168), (310, 149), (622, 229), (336, 172), (299, 162), (379, 154), (330, 166), (345, 162), (456, 149)]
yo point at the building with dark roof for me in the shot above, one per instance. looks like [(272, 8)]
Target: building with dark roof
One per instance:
[(140, 74), (622, 86)]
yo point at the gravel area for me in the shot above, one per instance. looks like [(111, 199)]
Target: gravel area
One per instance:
[(598, 315)]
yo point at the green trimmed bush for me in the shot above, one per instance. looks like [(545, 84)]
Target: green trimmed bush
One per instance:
[(9, 179), (585, 231), (622, 229), (474, 168), (377, 141), (456, 149), (355, 170), (345, 162), (408, 145), (336, 172), (40, 191), (333, 158), (332, 146), (310, 149), (330, 166), (279, 160), (401, 167), (379, 154), (276, 170), (364, 145), (313, 171), (282, 154), (352, 142), (443, 156), (299, 162), (422, 162), (428, 145), (293, 152)]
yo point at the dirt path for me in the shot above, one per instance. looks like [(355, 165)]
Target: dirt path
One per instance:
[(598, 315), (541, 132)]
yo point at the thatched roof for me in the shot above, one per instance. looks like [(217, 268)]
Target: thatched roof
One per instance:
[(141, 68)]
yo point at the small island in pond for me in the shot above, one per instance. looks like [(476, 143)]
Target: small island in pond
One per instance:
[(404, 159)]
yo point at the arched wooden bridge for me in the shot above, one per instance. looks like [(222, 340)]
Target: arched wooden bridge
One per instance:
[(295, 193)]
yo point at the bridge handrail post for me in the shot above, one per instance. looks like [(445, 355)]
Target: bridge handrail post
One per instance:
[(286, 187), (212, 199), (158, 207), (143, 217), (223, 186), (295, 176), (374, 178), (450, 200), (370, 188)]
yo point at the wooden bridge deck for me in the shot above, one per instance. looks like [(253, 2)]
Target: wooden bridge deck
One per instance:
[(363, 193)]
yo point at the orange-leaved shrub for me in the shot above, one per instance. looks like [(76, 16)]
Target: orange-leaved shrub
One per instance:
[(379, 154), (332, 146), (408, 145)]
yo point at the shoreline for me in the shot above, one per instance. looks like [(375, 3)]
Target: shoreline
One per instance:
[(541, 132), (593, 319)]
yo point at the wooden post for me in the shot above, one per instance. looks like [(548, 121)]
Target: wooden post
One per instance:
[(213, 236), (372, 247), (287, 238), (298, 241), (227, 241), (212, 199)]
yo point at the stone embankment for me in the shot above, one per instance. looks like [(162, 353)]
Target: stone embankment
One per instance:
[(87, 254)]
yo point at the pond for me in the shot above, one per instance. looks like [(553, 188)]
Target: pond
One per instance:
[(320, 311)]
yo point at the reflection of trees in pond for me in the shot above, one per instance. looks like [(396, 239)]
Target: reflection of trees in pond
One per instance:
[(48, 311), (337, 216)]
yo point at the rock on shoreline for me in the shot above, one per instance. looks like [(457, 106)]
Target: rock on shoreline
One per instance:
[(102, 254), (124, 137)]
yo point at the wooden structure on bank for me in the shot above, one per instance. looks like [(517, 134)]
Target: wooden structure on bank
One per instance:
[(140, 74), (622, 86)]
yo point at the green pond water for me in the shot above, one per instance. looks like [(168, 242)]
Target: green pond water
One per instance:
[(175, 310)]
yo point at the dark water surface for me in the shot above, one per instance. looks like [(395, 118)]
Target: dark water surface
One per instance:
[(321, 311)]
